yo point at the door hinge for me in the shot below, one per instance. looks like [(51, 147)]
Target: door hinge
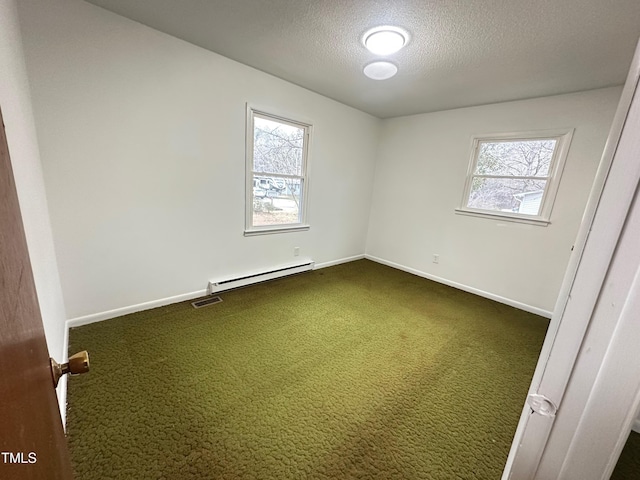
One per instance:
[(542, 405)]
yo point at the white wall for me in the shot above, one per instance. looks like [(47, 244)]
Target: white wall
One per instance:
[(142, 144), (25, 159), (421, 168)]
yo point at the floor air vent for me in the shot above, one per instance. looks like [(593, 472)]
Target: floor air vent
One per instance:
[(206, 302)]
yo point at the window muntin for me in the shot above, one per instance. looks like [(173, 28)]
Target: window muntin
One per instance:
[(506, 195), (515, 176), (277, 151)]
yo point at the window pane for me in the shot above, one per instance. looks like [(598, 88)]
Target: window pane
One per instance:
[(507, 195), (276, 201), (277, 147), (525, 158)]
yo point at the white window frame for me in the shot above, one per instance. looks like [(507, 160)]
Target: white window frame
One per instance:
[(563, 141), (303, 224)]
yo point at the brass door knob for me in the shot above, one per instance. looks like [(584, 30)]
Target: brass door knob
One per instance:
[(77, 364)]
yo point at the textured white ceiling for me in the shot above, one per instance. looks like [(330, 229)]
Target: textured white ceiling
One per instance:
[(461, 53)]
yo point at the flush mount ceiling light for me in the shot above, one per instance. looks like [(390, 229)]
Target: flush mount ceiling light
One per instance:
[(385, 40), (380, 70)]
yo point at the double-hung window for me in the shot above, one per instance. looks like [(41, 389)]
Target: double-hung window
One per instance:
[(277, 182), (515, 176)]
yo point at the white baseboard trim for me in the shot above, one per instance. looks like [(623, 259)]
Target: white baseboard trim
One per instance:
[(118, 312), (338, 262), (62, 384), (636, 426), (62, 400), (466, 288)]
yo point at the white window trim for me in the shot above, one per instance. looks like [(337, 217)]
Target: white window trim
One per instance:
[(563, 137), (303, 225)]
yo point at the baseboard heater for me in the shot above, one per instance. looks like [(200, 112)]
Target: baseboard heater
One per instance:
[(240, 281)]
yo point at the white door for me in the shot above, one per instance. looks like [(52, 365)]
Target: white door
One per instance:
[(548, 432)]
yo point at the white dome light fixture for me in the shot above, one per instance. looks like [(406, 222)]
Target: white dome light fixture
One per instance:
[(385, 40), (380, 70)]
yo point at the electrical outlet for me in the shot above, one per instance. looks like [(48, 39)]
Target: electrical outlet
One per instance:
[(436, 258), (296, 251)]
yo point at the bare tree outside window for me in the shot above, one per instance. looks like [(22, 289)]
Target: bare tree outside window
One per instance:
[(512, 176), (278, 167), (508, 171), (277, 147)]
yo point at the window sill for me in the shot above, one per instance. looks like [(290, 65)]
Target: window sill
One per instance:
[(274, 229), (541, 222)]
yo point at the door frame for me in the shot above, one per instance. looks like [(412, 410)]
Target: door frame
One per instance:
[(604, 219)]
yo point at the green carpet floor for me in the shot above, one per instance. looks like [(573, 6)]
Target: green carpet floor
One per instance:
[(357, 371)]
